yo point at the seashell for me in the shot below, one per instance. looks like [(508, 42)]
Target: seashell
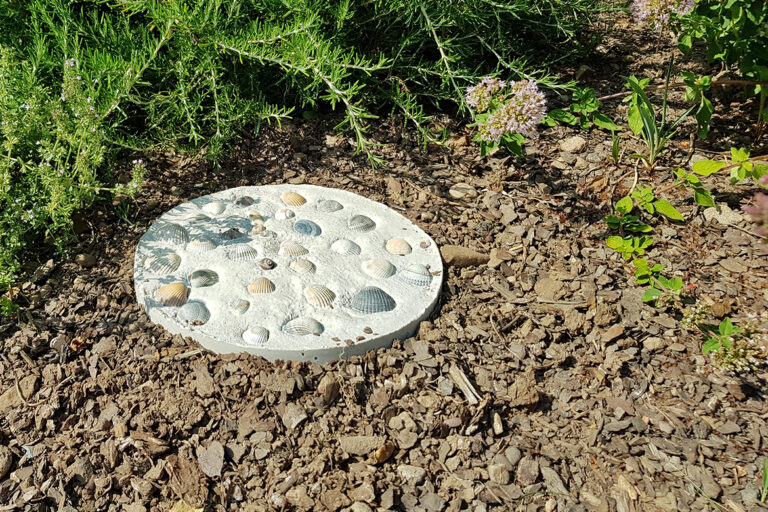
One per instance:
[(242, 252), (291, 248), (194, 313), (304, 326), (203, 278), (164, 264), (361, 224), (303, 266), (231, 234), (255, 216), (173, 294), (329, 205), (346, 247), (379, 269), (372, 300), (245, 201), (293, 199), (307, 227), (201, 244), (258, 228), (267, 264), (319, 295), (214, 207), (199, 217), (261, 285), (398, 246), (284, 213), (172, 233), (256, 335), (416, 274), (239, 307)]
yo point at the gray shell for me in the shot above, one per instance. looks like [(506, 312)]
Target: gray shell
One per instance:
[(214, 207), (304, 326), (164, 264), (172, 233), (242, 252), (256, 335), (361, 224), (415, 274), (240, 306), (245, 201), (372, 300), (346, 247), (307, 227), (203, 278), (231, 234), (329, 205), (193, 313)]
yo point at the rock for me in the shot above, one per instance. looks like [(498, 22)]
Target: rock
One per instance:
[(722, 214), (498, 474), (328, 389), (613, 333), (653, 343), (363, 493), (211, 459), (750, 495), (297, 496), (359, 507), (523, 390), (413, 475), (732, 265), (553, 481), (548, 288), (11, 398), (85, 260), (334, 499), (360, 445), (293, 416), (573, 144), (6, 461), (729, 427), (460, 257), (527, 471), (462, 191), (432, 502)]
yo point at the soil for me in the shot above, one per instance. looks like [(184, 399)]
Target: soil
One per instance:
[(542, 381)]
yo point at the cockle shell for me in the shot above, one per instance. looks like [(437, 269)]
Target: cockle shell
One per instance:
[(379, 269), (255, 216), (304, 326), (172, 233), (164, 264), (293, 199), (261, 285), (242, 252), (199, 217), (240, 306), (201, 244), (329, 205), (345, 247), (319, 295), (291, 248), (203, 278), (398, 246), (284, 213), (214, 207), (267, 264), (307, 227), (256, 335), (372, 300), (194, 313), (172, 294), (303, 266), (415, 274), (361, 224), (231, 234), (245, 201)]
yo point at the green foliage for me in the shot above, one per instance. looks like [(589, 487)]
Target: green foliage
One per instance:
[(629, 246), (694, 93), (764, 492), (583, 112), (741, 166), (647, 200), (735, 348), (7, 307)]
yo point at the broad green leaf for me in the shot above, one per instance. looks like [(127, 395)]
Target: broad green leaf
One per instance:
[(584, 122), (684, 43), (666, 209), (703, 197), (711, 345), (563, 116), (615, 242), (726, 327), (635, 120), (675, 283), (624, 205), (640, 264), (704, 117), (603, 121), (739, 155), (651, 294), (707, 167)]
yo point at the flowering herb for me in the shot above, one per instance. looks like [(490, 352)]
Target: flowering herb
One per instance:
[(657, 12)]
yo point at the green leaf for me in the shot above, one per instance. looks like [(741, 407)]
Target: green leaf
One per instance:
[(603, 121), (624, 205), (675, 283), (584, 122), (635, 120), (563, 116), (651, 295), (703, 197), (726, 327), (707, 167), (711, 345), (739, 155), (704, 117), (613, 221), (666, 209), (684, 43), (615, 242)]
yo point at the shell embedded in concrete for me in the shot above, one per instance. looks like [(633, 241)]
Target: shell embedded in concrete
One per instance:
[(173, 294), (164, 264), (231, 234), (240, 306), (307, 228), (291, 248), (173, 234), (203, 278), (319, 295), (346, 247), (214, 207), (361, 224), (398, 246), (193, 313), (378, 269), (256, 336), (304, 326), (293, 199), (261, 285), (372, 300), (284, 214), (242, 252), (415, 274), (201, 244), (303, 266), (244, 201), (329, 206)]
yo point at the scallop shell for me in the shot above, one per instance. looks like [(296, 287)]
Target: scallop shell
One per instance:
[(319, 295), (172, 294), (416, 274), (203, 278), (231, 234), (361, 224), (293, 199), (172, 233), (199, 217), (242, 252), (372, 300), (201, 244), (346, 247), (291, 248), (398, 246), (239, 307), (214, 207), (284, 213), (194, 313), (261, 285), (164, 264), (379, 269), (307, 227), (256, 335), (304, 326), (303, 266), (329, 205), (255, 216), (245, 201), (267, 264)]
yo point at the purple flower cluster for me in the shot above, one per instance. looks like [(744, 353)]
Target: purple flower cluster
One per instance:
[(759, 212), (522, 111), (658, 11), (479, 96)]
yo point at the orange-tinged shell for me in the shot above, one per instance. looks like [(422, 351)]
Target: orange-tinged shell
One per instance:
[(319, 296), (398, 246), (261, 285), (291, 248), (173, 294), (293, 199)]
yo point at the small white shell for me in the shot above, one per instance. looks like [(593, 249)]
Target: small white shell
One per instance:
[(379, 269), (303, 266), (345, 247), (203, 278), (291, 248), (361, 224), (201, 244), (172, 294), (164, 264), (398, 246), (319, 295), (172, 233), (242, 252), (284, 213), (415, 274), (239, 307), (256, 336), (329, 205), (293, 199), (261, 285), (193, 313), (304, 326), (214, 207)]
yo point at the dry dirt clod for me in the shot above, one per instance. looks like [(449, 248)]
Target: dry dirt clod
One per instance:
[(360, 445), (293, 416), (460, 257), (573, 144), (6, 460), (328, 389), (462, 191), (211, 459)]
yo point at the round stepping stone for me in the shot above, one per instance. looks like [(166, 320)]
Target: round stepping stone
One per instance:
[(341, 276)]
